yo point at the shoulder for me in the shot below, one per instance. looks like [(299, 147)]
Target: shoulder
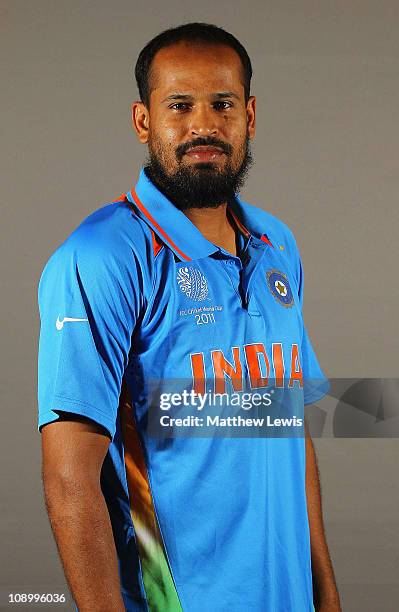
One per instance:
[(110, 231), (112, 239), (278, 232)]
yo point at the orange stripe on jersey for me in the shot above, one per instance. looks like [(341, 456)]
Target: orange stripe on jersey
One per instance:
[(240, 225), (159, 228), (266, 239), (158, 581), (122, 198), (244, 229), (156, 243)]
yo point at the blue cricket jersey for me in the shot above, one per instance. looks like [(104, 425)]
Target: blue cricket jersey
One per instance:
[(136, 294)]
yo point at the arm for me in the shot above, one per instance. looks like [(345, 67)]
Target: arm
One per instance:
[(326, 597), (73, 454)]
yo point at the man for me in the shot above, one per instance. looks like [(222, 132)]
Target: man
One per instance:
[(180, 280)]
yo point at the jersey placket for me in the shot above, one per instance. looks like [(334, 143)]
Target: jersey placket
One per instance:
[(254, 255), (241, 274)]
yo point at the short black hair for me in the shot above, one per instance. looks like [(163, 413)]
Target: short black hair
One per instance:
[(188, 32)]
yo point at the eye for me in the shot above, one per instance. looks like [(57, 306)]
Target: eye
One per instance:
[(179, 106), (222, 105)]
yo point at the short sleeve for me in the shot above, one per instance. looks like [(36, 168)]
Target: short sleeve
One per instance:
[(315, 383), (89, 302)]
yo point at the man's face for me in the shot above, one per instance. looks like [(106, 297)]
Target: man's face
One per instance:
[(198, 125)]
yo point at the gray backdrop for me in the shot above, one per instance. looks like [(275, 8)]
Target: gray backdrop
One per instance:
[(326, 78)]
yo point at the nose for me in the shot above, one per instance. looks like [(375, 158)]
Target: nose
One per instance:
[(203, 121)]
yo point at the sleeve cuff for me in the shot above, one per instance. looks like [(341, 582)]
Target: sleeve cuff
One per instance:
[(62, 404), (316, 390)]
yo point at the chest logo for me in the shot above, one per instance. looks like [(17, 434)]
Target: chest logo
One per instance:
[(280, 288), (192, 283)]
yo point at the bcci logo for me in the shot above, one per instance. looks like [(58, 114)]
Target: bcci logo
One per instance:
[(280, 288), (192, 283)]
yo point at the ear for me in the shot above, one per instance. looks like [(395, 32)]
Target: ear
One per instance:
[(140, 121), (251, 114)]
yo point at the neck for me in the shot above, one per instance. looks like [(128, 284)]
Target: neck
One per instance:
[(214, 225)]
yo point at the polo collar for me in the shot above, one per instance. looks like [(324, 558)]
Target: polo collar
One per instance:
[(171, 224)]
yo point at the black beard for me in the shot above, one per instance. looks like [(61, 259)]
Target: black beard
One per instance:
[(202, 186)]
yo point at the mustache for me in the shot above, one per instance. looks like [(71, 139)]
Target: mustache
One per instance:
[(203, 142)]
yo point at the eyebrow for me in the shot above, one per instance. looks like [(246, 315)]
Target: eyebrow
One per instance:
[(219, 95), (227, 94)]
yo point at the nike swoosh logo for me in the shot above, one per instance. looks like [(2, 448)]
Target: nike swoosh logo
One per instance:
[(60, 324)]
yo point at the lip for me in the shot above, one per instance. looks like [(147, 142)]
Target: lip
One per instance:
[(204, 153)]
